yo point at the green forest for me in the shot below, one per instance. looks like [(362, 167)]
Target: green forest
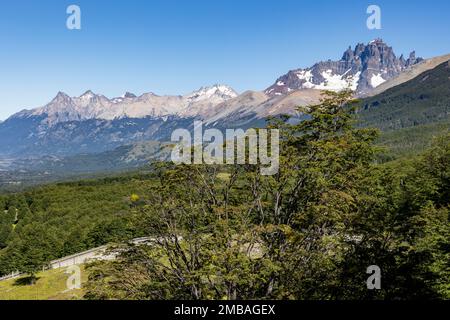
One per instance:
[(48, 222), (346, 197)]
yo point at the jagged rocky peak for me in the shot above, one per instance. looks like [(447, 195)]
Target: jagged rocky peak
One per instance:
[(412, 60), (87, 94), (61, 97), (360, 69), (60, 102), (89, 97), (90, 105), (348, 54), (129, 95)]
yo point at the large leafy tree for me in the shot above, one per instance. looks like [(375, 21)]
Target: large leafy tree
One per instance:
[(316, 197), (229, 232), (308, 232), (204, 243)]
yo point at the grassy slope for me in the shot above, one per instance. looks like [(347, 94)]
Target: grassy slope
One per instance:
[(51, 285)]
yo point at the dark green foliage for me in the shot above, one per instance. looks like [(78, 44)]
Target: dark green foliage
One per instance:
[(423, 100), (118, 229), (406, 231), (411, 114), (7, 219), (408, 142), (57, 220)]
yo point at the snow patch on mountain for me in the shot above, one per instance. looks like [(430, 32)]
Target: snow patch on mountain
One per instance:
[(376, 80), (361, 69), (89, 105)]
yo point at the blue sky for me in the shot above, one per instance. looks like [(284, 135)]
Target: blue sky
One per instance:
[(175, 46)]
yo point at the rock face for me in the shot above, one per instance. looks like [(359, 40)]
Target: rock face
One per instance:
[(360, 69), (94, 106), (410, 73), (67, 126), (93, 123)]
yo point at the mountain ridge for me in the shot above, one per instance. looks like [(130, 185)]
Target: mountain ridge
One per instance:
[(361, 69), (408, 114), (89, 105), (94, 123)]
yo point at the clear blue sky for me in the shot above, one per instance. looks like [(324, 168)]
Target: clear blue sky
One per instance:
[(175, 46)]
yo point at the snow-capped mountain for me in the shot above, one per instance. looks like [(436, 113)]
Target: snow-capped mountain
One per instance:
[(360, 69), (93, 123), (95, 106), (201, 101)]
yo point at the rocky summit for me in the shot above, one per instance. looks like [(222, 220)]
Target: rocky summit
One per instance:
[(360, 69)]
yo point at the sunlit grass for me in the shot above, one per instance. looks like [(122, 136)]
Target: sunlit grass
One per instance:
[(50, 285)]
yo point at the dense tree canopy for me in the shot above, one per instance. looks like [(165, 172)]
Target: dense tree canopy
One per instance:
[(227, 232), (308, 232)]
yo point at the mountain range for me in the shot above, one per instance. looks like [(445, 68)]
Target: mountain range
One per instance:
[(92, 123), (361, 69)]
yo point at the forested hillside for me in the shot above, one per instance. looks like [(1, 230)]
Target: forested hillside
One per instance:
[(411, 114), (411, 141), (423, 100), (53, 221)]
